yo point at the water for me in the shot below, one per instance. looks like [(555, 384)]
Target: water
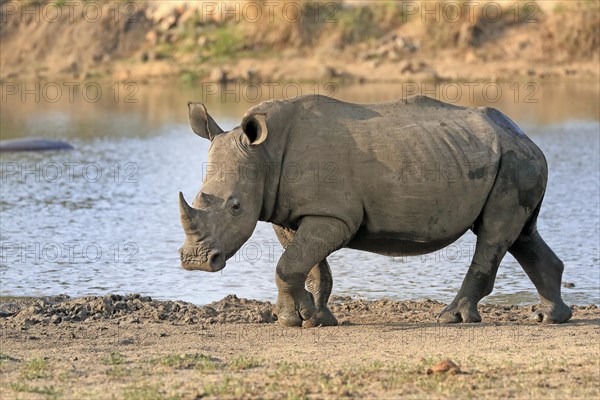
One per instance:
[(104, 218)]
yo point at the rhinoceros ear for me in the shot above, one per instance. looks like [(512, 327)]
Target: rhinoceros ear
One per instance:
[(202, 123), (255, 128)]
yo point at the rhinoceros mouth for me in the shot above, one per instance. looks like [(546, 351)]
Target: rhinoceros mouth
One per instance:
[(194, 259)]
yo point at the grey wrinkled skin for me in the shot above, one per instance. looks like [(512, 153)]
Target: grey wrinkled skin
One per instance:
[(407, 177)]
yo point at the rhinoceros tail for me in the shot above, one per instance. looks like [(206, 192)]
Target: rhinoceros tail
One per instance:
[(531, 224)]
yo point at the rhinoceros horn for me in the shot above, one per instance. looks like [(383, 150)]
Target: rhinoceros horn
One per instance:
[(188, 215), (202, 124)]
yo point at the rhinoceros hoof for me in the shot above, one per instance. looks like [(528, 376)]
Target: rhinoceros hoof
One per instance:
[(324, 317), (464, 311), (289, 320), (554, 315), (291, 311)]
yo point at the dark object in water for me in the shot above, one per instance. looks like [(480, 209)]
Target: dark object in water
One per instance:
[(33, 144)]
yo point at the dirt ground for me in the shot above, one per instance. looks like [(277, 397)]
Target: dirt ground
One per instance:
[(133, 347)]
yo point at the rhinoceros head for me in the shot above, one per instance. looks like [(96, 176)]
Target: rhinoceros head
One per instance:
[(226, 210)]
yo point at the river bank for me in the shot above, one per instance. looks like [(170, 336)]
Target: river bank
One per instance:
[(297, 41), (137, 348)]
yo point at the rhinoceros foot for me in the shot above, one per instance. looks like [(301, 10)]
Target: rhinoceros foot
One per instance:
[(464, 310), (291, 310), (324, 317), (555, 314)]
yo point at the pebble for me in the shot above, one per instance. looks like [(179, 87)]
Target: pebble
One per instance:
[(446, 365)]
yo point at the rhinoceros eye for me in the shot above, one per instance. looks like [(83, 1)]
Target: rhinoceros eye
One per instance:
[(235, 207)]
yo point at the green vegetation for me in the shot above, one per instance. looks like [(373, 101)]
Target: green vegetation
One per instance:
[(35, 369), (241, 363), (225, 42), (578, 31), (118, 372), (188, 76), (146, 391), (48, 391), (114, 358), (186, 361), (360, 24), (218, 388), (154, 379)]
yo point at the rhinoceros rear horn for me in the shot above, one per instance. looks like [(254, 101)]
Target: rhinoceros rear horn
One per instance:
[(255, 128), (202, 124)]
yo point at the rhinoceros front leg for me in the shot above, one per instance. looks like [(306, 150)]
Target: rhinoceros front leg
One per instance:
[(319, 282), (315, 239)]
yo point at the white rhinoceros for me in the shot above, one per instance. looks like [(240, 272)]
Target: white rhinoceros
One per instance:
[(406, 177)]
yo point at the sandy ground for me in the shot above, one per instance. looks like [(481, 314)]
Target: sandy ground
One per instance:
[(133, 347)]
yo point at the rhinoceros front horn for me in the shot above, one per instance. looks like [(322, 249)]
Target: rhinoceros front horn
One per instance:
[(187, 215)]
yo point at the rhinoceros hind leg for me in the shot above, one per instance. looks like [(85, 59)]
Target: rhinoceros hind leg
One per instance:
[(545, 270), (319, 284), (507, 214), (477, 284)]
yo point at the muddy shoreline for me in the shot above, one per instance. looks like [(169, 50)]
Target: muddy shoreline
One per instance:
[(233, 310), (131, 346)]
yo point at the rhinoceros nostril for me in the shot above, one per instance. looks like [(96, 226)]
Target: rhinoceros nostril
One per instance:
[(215, 260)]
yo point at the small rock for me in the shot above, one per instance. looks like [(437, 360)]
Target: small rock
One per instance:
[(470, 57), (446, 365), (569, 285), (167, 23), (532, 308), (152, 37), (249, 75), (56, 319), (143, 57)]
